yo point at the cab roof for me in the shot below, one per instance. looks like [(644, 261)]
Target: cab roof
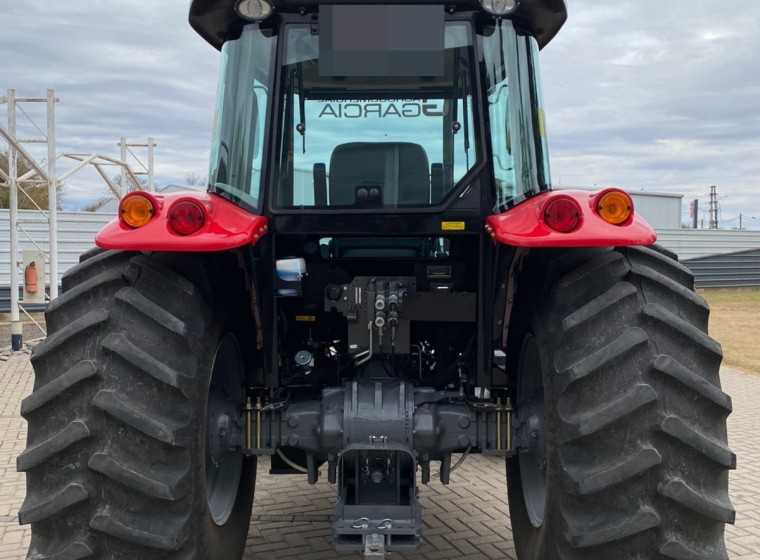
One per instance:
[(216, 20)]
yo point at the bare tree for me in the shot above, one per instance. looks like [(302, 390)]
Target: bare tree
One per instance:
[(196, 179), (36, 193)]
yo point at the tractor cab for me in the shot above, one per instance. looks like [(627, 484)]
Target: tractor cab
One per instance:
[(377, 109)]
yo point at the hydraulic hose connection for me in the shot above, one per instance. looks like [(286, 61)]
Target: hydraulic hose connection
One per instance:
[(380, 319)]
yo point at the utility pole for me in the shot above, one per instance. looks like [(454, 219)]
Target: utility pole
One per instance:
[(713, 207)]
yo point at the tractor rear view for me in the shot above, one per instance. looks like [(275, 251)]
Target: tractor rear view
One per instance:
[(379, 277)]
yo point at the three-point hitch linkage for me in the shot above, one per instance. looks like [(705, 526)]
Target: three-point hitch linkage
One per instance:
[(373, 435)]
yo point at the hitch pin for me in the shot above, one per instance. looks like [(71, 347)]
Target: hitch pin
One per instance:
[(258, 422), (248, 427), (498, 424)]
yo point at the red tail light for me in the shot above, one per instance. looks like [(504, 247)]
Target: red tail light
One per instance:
[(562, 215), (186, 217)]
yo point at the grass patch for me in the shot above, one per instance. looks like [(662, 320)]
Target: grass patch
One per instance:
[(735, 323)]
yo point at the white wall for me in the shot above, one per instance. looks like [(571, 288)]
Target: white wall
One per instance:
[(76, 234)]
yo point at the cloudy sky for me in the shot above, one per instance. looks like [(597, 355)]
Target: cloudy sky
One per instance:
[(643, 94)]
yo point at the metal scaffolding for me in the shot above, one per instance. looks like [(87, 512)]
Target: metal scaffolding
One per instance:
[(16, 184), (38, 176), (147, 170)]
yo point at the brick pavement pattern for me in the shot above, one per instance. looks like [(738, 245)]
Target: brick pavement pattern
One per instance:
[(468, 518)]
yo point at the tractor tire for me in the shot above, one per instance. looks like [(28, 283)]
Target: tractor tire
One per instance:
[(117, 458), (618, 399)]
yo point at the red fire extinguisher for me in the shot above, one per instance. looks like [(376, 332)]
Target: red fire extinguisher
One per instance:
[(30, 278)]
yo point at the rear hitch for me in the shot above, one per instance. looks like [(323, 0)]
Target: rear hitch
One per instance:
[(373, 435)]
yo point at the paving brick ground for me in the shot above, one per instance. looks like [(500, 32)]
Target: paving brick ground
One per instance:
[(467, 519)]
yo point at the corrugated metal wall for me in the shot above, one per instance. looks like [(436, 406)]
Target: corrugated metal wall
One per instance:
[(732, 270), (718, 258), (76, 234), (697, 243)]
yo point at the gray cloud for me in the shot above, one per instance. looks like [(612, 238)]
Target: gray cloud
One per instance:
[(127, 68), (659, 96)]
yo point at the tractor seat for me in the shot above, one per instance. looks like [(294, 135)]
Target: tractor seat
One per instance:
[(400, 169)]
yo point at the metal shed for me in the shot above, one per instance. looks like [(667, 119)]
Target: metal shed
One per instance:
[(661, 210)]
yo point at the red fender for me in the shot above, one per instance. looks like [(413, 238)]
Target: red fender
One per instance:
[(226, 226), (524, 225)]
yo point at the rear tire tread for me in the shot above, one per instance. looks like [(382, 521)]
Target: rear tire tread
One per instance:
[(615, 350), (130, 296), (131, 415), (36, 454), (637, 453), (670, 320), (92, 266), (132, 477), (82, 371), (121, 346), (703, 444), (34, 511), (592, 310), (675, 549), (614, 530), (670, 367), (655, 259), (170, 539), (680, 492), (610, 413), (78, 327), (123, 371), (588, 481), (83, 290), (73, 551)]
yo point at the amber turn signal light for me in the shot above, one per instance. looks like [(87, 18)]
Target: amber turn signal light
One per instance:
[(136, 210), (614, 207)]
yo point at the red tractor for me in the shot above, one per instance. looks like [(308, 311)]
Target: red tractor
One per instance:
[(379, 277)]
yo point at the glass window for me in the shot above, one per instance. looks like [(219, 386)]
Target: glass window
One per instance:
[(238, 139), (518, 138), (544, 169), (376, 141)]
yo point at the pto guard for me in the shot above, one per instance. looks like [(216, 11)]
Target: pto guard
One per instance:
[(226, 226), (524, 225)]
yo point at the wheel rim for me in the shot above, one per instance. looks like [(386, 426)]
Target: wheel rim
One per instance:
[(532, 458), (224, 460)]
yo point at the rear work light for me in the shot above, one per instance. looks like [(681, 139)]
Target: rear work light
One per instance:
[(186, 217), (253, 10), (136, 210), (562, 215), (614, 207), (499, 7)]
